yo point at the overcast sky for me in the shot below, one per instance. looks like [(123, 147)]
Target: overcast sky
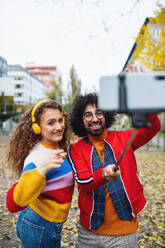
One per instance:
[(96, 36)]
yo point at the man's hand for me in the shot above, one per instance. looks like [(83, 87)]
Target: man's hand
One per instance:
[(134, 68), (109, 173)]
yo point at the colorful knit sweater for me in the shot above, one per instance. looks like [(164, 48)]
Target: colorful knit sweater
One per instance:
[(50, 196)]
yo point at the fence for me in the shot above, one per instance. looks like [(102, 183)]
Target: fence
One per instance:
[(7, 126), (157, 142)]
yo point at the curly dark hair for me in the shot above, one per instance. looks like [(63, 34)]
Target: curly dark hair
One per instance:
[(76, 115), (23, 139)]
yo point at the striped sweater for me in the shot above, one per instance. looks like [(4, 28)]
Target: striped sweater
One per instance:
[(50, 196)]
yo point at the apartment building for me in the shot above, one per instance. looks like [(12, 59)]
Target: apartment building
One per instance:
[(46, 74), (3, 67), (24, 87)]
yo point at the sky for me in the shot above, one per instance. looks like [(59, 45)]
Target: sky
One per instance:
[(96, 36)]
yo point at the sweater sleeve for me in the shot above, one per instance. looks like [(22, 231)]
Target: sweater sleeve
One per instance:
[(85, 178), (26, 190), (145, 134)]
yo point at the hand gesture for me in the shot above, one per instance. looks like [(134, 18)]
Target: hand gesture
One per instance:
[(110, 174), (52, 161), (134, 68)]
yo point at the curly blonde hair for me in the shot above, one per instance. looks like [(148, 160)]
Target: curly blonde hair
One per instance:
[(23, 139)]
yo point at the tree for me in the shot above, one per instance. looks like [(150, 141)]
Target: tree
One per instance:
[(74, 88), (7, 104), (56, 93), (150, 49), (7, 108), (75, 83)]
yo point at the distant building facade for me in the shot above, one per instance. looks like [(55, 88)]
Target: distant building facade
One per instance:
[(24, 87), (46, 74), (3, 67), (155, 30)]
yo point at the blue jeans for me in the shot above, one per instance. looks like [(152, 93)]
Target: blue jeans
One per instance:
[(36, 232)]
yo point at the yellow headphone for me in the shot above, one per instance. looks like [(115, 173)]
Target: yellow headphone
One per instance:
[(35, 127)]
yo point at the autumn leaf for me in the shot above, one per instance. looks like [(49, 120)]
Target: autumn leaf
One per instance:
[(151, 234)]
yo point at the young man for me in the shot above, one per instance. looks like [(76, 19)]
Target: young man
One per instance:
[(109, 201)]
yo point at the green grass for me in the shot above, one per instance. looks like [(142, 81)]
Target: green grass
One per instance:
[(162, 134)]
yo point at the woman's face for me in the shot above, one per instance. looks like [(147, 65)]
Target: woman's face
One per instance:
[(52, 126)]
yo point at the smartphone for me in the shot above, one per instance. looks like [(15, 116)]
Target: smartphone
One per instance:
[(132, 92)]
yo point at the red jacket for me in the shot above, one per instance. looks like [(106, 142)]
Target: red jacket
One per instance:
[(80, 158)]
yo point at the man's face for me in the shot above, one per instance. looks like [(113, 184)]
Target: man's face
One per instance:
[(94, 120)]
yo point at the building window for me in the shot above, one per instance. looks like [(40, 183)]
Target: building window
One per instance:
[(18, 86), (156, 32), (18, 78), (18, 94)]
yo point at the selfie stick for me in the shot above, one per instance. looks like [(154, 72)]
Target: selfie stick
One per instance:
[(125, 149), (123, 107), (138, 119)]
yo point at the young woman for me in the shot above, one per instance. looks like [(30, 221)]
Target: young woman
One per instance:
[(43, 193)]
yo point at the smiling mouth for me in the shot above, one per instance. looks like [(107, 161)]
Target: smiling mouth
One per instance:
[(95, 126), (58, 134)]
